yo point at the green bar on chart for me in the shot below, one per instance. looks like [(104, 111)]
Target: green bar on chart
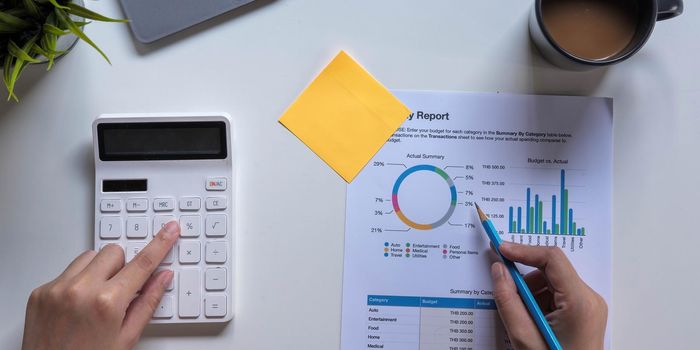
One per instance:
[(539, 216)]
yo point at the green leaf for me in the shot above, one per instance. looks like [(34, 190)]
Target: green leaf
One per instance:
[(7, 29), (32, 8), (48, 43), (80, 11), (7, 76), (11, 20), (63, 18), (37, 49), (57, 5), (7, 70), (20, 11), (16, 51), (19, 66), (50, 28), (16, 73)]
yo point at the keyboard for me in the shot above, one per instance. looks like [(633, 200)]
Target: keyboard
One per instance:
[(136, 198)]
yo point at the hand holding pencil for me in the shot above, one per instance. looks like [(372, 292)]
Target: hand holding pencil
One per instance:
[(574, 311)]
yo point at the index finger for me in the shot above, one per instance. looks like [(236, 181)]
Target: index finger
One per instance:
[(551, 260), (132, 277)]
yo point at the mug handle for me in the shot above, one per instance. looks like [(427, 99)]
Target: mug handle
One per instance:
[(669, 9)]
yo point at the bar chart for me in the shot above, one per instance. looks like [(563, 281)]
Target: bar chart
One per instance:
[(531, 220)]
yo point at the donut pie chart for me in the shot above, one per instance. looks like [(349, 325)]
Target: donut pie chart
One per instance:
[(396, 202)]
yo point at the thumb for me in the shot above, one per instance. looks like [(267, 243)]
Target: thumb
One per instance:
[(142, 308), (522, 331)]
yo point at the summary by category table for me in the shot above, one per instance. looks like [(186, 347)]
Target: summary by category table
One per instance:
[(430, 323)]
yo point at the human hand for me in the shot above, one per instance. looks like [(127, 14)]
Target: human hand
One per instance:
[(576, 313), (95, 303)]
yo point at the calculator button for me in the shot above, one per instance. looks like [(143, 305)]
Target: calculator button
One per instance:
[(165, 308), (159, 222), (188, 290), (190, 203), (171, 285), (215, 225), (136, 227), (215, 305), (110, 227), (163, 204), (133, 249), (215, 279), (136, 205), (110, 205), (190, 225), (216, 184), (190, 252), (168, 257), (215, 252), (103, 245), (216, 203)]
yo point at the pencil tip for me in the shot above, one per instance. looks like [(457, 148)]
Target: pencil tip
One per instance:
[(482, 216)]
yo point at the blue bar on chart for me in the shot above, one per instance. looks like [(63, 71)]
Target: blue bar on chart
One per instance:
[(535, 222), (511, 223), (527, 211), (571, 221)]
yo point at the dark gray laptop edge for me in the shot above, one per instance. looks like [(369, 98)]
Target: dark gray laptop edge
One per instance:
[(151, 20)]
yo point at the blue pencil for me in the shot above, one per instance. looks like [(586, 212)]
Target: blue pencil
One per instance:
[(523, 289)]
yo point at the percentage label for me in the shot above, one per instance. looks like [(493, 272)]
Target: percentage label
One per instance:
[(469, 193), (378, 163), (376, 230), (378, 213), (470, 167), (468, 204), (379, 200), (469, 177), (470, 225)]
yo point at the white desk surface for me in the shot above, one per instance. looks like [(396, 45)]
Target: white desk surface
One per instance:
[(291, 206)]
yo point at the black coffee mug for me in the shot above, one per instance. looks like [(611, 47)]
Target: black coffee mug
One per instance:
[(650, 11)]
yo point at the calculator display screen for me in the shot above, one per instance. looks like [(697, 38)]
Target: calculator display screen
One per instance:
[(162, 141)]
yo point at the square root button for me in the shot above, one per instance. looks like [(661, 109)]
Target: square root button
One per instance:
[(216, 184)]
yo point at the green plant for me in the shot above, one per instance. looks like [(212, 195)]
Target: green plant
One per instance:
[(29, 30)]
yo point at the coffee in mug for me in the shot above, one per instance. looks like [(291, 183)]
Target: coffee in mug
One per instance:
[(581, 34)]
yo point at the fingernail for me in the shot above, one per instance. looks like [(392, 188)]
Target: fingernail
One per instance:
[(505, 245), (171, 229), (496, 271), (169, 277)]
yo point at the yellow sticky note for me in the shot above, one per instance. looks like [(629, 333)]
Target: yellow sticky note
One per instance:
[(345, 116)]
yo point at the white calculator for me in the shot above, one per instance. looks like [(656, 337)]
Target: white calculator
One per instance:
[(151, 169)]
